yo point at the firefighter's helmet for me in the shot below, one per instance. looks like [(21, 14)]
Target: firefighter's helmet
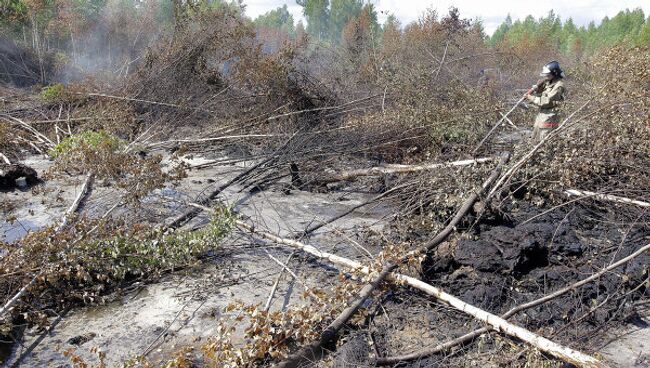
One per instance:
[(552, 68)]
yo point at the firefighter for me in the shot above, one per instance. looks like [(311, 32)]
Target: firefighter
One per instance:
[(547, 95)]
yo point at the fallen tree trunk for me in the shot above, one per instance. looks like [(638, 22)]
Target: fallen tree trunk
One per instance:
[(327, 340), (85, 189), (478, 332), (316, 349), (605, 197), (497, 323), (397, 169), (464, 209)]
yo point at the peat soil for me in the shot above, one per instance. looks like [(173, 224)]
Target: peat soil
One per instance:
[(504, 261)]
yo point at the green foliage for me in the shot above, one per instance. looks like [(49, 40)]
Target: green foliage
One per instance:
[(328, 20), (82, 264), (12, 14), (53, 93), (151, 252), (341, 12), (103, 155), (628, 27), (317, 14), (95, 140), (279, 18)]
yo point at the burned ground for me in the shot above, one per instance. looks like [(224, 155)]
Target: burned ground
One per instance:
[(201, 169)]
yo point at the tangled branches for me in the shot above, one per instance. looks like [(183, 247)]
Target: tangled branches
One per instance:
[(83, 264)]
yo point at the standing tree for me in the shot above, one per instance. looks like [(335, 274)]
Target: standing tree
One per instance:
[(341, 12), (317, 14), (279, 18)]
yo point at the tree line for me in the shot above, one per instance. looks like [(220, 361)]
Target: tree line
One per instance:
[(114, 31), (629, 27)]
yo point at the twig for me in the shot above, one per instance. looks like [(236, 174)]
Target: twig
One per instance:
[(605, 197), (267, 305), (17, 297), (286, 268), (313, 228), (321, 108), (103, 95), (498, 124), (5, 159), (510, 172), (509, 121), (214, 139), (150, 347), (190, 214), (467, 205), (42, 138), (442, 62)]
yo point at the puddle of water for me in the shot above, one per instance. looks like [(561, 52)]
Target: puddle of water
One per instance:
[(12, 232)]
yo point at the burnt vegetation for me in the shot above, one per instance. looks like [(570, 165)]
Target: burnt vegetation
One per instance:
[(122, 99)]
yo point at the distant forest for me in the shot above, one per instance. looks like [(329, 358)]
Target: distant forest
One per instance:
[(629, 27), (107, 34)]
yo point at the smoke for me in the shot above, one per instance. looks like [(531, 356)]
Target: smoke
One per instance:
[(110, 42), (19, 66)]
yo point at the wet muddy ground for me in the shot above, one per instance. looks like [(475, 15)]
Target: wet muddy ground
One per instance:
[(500, 264), (183, 308)]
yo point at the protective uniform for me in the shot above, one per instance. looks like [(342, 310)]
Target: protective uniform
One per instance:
[(548, 97)]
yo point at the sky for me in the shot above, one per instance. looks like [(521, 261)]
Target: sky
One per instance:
[(492, 12)]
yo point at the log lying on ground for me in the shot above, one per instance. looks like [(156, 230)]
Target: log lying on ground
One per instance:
[(467, 205), (605, 197), (478, 332), (397, 169), (316, 349), (85, 189), (497, 323), (327, 340)]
